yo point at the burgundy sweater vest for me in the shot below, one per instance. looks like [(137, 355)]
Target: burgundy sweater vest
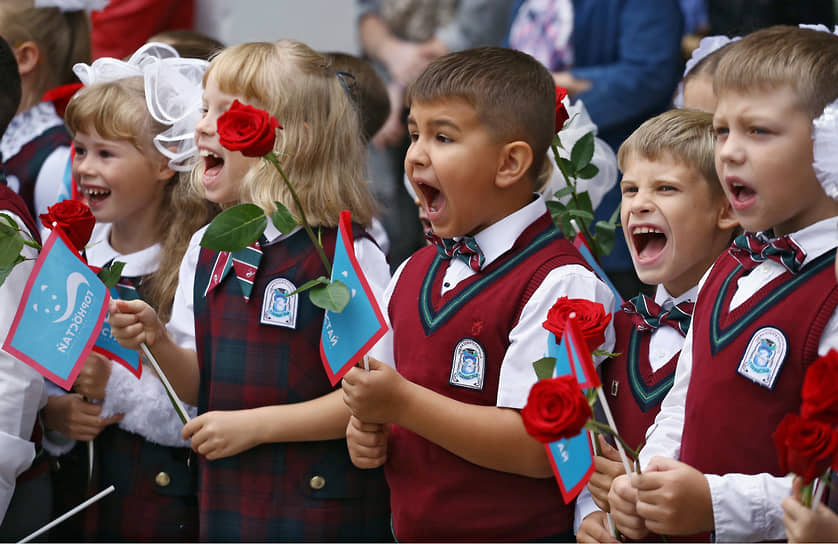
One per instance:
[(297, 491), (634, 390), (26, 164), (729, 419), (436, 495)]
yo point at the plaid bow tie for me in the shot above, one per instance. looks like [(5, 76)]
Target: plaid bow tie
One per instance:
[(648, 316), (465, 249), (750, 249), (244, 263)]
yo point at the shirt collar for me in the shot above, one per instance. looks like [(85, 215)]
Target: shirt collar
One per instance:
[(139, 263), (817, 238), (663, 297), (272, 234), (498, 238)]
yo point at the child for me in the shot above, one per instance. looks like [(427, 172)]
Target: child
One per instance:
[(273, 461), (676, 221), (47, 42), (695, 91), (145, 216), (21, 386), (189, 43), (460, 464), (721, 412)]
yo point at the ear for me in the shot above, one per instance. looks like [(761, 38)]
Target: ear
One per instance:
[(164, 173), (513, 163), (27, 55), (726, 219)]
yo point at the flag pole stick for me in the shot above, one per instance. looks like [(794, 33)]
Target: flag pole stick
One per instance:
[(181, 411), (72, 512)]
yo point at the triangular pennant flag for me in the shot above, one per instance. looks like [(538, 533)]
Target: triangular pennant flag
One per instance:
[(585, 250), (60, 314), (107, 345), (347, 336), (577, 351)]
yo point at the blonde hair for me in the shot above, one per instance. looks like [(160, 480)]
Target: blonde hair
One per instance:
[(319, 147), (802, 58), (63, 39), (117, 111), (683, 135)]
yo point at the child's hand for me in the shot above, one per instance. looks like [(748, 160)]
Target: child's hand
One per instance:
[(806, 525), (220, 434), (73, 416), (608, 466), (623, 500), (93, 377), (674, 498), (373, 396), (134, 322), (594, 528), (367, 443)]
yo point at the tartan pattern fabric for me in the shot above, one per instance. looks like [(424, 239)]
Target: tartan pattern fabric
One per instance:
[(265, 493), (647, 315), (465, 249), (244, 263), (750, 249)]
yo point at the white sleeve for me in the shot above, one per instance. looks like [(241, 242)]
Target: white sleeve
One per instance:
[(746, 507), (181, 324), (585, 506), (528, 339), (49, 186), (383, 349)]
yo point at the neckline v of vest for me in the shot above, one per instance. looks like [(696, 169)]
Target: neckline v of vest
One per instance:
[(726, 325), (433, 318), (646, 395)]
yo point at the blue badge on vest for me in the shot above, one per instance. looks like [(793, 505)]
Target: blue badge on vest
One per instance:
[(764, 356), (468, 367), (278, 309)]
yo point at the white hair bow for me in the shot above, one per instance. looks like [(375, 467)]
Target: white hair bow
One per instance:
[(707, 45), (73, 5), (824, 142)]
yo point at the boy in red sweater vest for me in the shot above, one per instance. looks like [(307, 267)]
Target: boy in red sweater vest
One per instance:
[(764, 312), (466, 315)]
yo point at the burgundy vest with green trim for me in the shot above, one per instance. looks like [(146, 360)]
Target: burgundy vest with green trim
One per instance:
[(729, 419), (436, 495), (266, 493), (27, 163)]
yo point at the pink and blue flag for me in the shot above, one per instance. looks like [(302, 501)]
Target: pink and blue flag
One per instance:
[(347, 336), (107, 345), (60, 314)]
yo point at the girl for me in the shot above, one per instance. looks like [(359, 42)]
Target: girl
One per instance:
[(695, 91), (145, 215), (273, 459)]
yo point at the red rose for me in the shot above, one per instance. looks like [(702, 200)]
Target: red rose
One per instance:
[(820, 390), (556, 409), (806, 447), (590, 316), (73, 218), (561, 111), (247, 129)]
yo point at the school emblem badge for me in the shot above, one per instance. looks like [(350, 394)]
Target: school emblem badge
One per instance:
[(468, 367), (279, 309), (764, 356)]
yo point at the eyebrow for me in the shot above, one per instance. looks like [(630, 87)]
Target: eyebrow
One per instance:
[(436, 123)]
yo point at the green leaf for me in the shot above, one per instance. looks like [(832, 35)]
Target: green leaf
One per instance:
[(6, 270), (567, 168), (544, 367), (565, 226), (235, 228), (8, 221), (584, 200), (564, 191), (582, 152), (110, 274), (11, 242), (587, 217), (588, 172), (333, 297), (557, 142), (283, 219), (322, 280), (556, 207), (605, 235)]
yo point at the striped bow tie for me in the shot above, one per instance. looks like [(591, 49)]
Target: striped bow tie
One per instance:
[(750, 249), (465, 249), (244, 263), (648, 316)]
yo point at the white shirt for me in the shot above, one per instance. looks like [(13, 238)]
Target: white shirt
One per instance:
[(528, 339), (745, 507), (22, 392)]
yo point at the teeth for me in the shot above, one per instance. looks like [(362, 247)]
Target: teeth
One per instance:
[(646, 230), (206, 153), (95, 192)]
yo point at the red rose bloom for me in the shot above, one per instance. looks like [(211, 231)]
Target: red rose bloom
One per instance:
[(73, 218), (590, 316), (247, 129), (805, 447), (561, 111), (556, 409), (820, 390)]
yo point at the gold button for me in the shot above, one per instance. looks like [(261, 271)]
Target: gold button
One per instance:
[(162, 479), (317, 482)]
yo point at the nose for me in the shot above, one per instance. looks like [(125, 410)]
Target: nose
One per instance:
[(642, 202), (82, 166), (416, 155), (729, 150), (206, 126)]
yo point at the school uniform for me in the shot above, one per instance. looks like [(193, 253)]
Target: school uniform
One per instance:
[(265, 351), (473, 336), (744, 396)]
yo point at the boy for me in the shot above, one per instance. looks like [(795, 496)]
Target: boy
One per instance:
[(721, 412), (676, 221), (460, 463)]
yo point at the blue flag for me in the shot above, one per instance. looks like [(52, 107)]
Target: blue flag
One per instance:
[(347, 336), (60, 314), (582, 246), (107, 345)]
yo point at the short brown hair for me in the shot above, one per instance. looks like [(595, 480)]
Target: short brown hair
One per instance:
[(804, 59), (683, 135), (366, 88), (513, 94)]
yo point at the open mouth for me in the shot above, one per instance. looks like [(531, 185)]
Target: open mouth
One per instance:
[(95, 194), (741, 192), (432, 197), (212, 163), (649, 242)]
